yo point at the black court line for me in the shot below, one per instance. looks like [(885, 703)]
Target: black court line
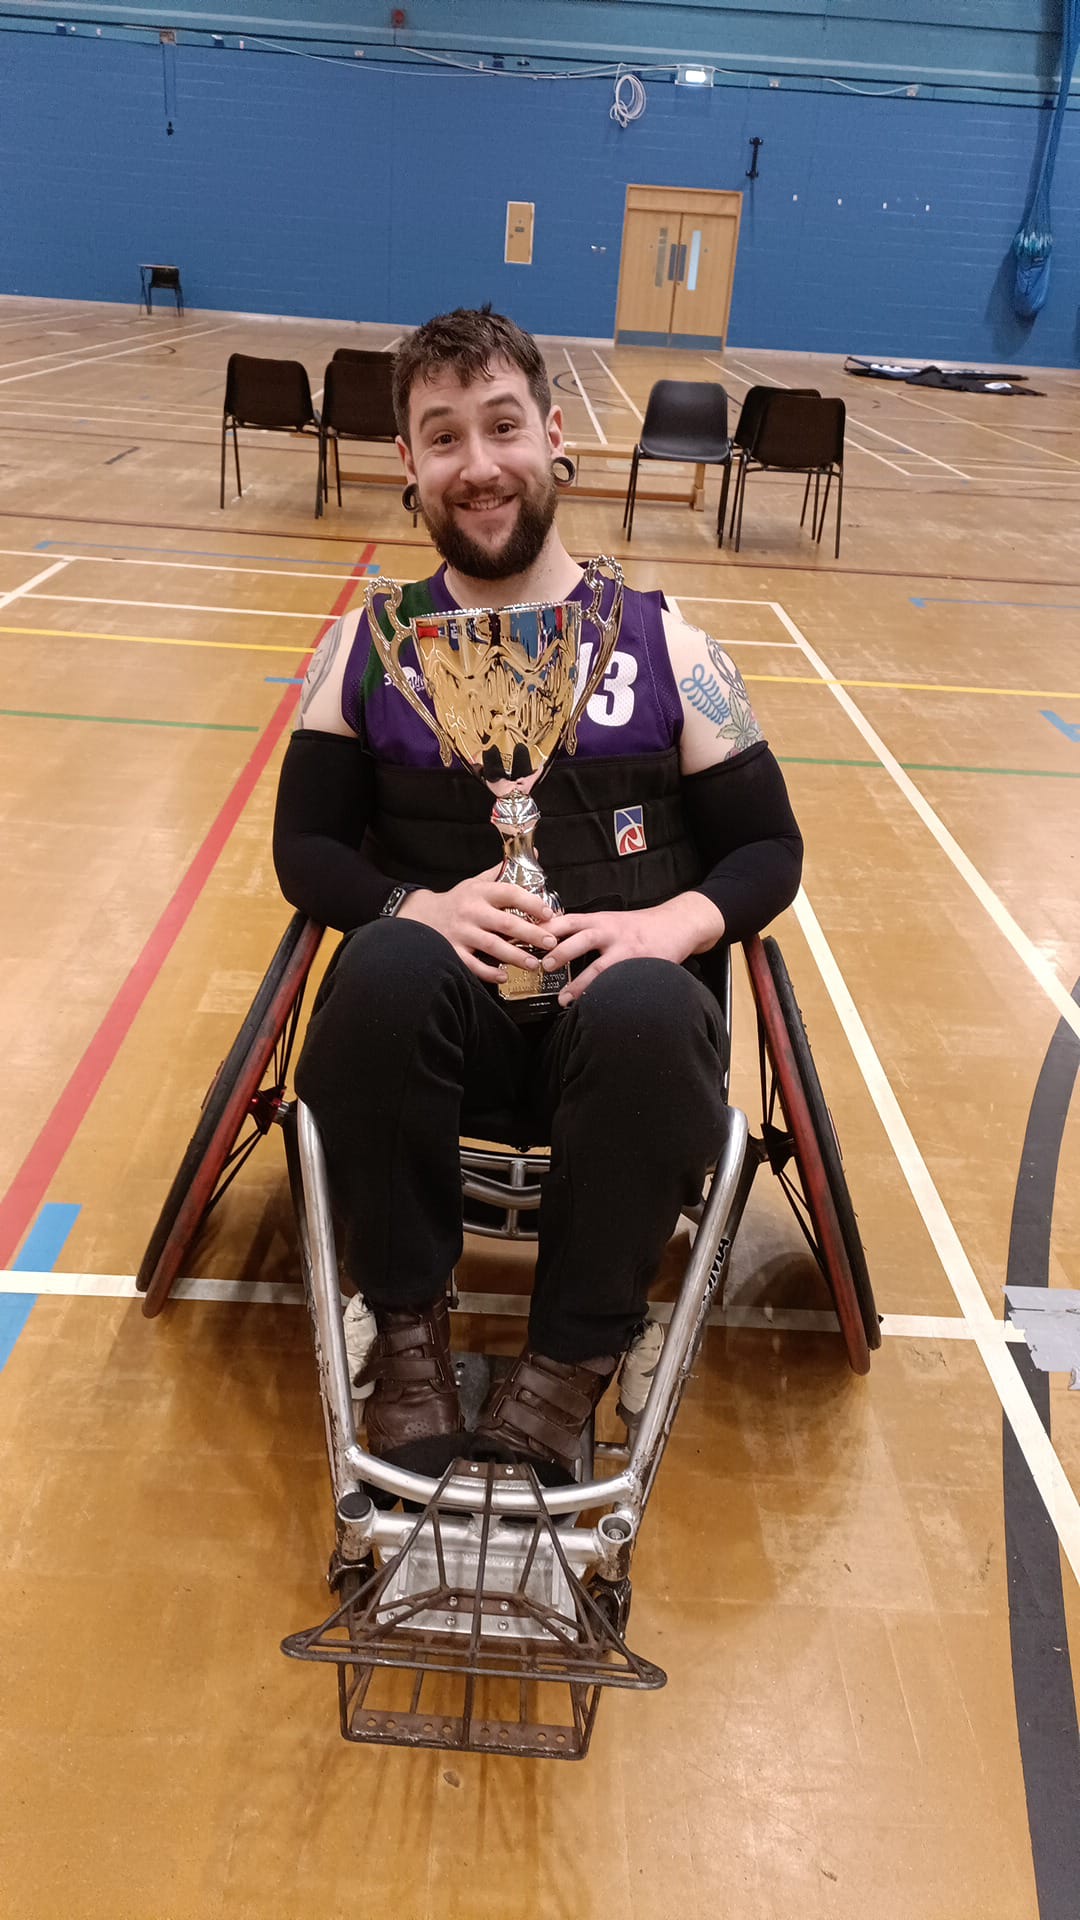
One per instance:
[(1038, 1629)]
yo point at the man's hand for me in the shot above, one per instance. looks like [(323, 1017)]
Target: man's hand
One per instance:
[(688, 924), (482, 919)]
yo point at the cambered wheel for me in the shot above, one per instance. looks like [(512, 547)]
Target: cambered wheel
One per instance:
[(241, 1104), (804, 1152)]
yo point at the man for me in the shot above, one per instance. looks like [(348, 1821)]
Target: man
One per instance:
[(668, 831)]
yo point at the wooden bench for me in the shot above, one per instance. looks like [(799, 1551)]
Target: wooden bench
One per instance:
[(594, 480)]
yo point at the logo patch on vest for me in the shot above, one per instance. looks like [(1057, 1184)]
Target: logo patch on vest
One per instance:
[(629, 830)]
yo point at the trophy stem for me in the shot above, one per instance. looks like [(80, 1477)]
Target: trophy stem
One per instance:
[(526, 991)]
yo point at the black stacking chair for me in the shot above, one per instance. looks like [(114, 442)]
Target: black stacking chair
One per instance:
[(357, 404), (684, 420), (272, 395), (798, 433), (751, 414), (160, 276)]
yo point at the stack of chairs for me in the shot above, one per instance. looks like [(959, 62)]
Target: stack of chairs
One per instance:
[(274, 396)]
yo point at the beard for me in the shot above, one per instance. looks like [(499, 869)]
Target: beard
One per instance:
[(522, 546)]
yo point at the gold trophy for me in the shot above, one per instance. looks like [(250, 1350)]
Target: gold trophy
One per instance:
[(507, 686)]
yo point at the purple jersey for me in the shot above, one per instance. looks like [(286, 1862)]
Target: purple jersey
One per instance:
[(635, 709)]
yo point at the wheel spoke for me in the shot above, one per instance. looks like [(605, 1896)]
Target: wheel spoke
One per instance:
[(236, 1160)]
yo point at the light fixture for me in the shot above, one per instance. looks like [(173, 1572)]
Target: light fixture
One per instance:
[(694, 76)]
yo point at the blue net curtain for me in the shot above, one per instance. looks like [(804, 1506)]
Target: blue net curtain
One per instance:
[(1032, 245)]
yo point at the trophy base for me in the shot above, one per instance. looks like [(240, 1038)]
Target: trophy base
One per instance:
[(518, 993)]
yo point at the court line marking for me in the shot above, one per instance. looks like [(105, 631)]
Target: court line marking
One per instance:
[(175, 606), (121, 1286), (49, 417), (60, 404), (76, 366), (16, 593), (164, 640), (57, 353), (865, 427), (198, 566), (927, 406), (30, 1183), (907, 686), (930, 766), (1023, 946), (597, 428), (1047, 1472), (45, 1241), (38, 317), (821, 679), (618, 385), (131, 720), (869, 451)]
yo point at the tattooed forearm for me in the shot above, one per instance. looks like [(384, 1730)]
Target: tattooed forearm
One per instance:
[(320, 668), (721, 697)]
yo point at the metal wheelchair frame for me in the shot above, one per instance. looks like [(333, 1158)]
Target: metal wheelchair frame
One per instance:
[(460, 1604)]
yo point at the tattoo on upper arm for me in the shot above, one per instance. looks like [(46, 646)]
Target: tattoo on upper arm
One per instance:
[(721, 696), (320, 668)]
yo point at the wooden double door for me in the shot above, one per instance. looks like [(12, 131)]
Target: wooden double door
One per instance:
[(677, 267)]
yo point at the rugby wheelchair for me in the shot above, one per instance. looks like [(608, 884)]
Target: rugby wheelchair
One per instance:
[(463, 1607)]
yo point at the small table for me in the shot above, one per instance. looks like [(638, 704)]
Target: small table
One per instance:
[(153, 274)]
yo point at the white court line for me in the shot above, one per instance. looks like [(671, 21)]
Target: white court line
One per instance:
[(147, 418), (1044, 1466), (877, 431), (16, 593), (282, 1293), (36, 319), (999, 433), (76, 366), (153, 407), (617, 385), (1015, 470), (1023, 946), (869, 451), (200, 566), (600, 434), (174, 606), (730, 640), (58, 353), (865, 427)]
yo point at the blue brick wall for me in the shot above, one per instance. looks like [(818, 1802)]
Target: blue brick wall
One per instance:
[(298, 186)]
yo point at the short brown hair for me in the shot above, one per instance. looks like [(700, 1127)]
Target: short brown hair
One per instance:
[(466, 342)]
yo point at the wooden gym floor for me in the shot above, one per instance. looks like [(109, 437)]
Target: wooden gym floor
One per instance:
[(855, 1587)]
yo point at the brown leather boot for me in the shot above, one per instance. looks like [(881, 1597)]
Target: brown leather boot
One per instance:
[(413, 1417), (540, 1410)]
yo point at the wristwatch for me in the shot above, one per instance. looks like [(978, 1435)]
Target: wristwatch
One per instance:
[(392, 904)]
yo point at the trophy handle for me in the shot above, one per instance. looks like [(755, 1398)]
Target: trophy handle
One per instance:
[(389, 652), (596, 573)]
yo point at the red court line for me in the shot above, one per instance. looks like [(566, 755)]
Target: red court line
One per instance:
[(31, 1183)]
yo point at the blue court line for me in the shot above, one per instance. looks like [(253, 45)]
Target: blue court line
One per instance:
[(280, 680), (39, 1253), (944, 600), (201, 553), (1070, 728)]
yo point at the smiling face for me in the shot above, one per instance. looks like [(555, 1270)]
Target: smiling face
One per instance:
[(480, 453)]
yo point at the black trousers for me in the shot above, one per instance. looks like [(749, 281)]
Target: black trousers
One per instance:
[(407, 1050)]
